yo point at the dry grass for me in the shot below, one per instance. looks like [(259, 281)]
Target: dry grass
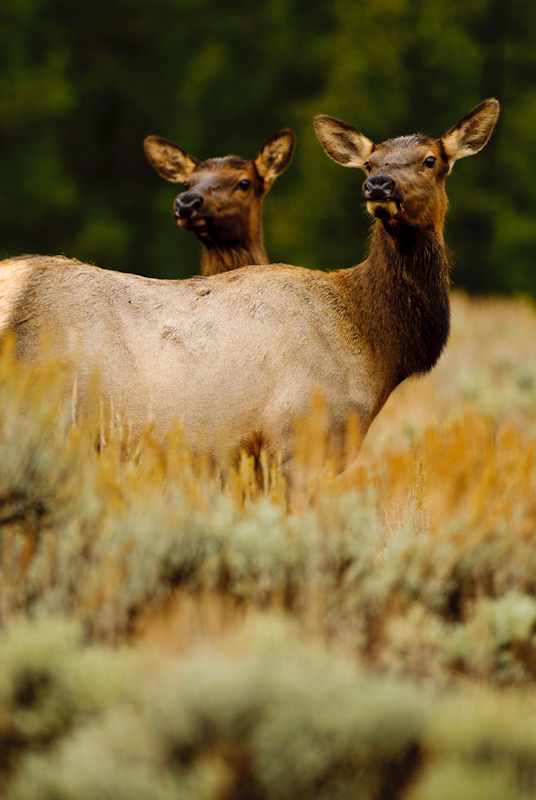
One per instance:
[(393, 616)]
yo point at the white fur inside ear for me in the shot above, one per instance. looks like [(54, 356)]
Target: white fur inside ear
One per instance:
[(459, 143), (472, 132), (342, 142), (275, 156), (168, 159)]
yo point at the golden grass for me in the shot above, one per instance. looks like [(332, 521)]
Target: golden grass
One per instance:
[(417, 567)]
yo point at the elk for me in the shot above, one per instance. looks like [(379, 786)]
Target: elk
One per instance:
[(237, 357), (222, 203)]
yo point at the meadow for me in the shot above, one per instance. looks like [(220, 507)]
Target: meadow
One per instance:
[(166, 632)]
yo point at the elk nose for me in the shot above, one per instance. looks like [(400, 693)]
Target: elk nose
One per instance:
[(379, 187), (187, 204)]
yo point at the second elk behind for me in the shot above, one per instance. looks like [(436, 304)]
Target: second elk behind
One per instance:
[(222, 201)]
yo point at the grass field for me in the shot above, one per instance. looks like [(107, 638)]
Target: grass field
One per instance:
[(166, 636)]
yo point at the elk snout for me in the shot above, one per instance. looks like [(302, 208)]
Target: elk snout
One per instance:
[(187, 204), (379, 188)]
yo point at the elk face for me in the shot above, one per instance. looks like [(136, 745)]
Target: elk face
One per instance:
[(405, 181), (405, 176), (219, 201), (222, 201)]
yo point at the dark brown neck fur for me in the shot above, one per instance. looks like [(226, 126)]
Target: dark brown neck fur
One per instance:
[(242, 244), (223, 258), (402, 291)]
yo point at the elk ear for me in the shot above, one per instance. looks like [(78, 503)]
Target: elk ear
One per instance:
[(275, 156), (168, 159), (342, 142), (472, 132)]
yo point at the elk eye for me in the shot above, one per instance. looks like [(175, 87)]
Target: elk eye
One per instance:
[(430, 161), (186, 184), (245, 184), (367, 166)]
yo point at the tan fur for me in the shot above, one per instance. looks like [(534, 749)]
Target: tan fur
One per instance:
[(390, 208), (12, 284), (238, 357)]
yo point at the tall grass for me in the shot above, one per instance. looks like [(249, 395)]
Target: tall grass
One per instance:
[(167, 631)]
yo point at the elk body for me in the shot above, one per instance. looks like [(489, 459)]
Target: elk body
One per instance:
[(237, 357), (222, 201)]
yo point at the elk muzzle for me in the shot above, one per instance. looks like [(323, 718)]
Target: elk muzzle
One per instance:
[(187, 205), (379, 188), (382, 195)]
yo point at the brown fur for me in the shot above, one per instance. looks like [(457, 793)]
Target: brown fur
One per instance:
[(229, 221), (238, 357)]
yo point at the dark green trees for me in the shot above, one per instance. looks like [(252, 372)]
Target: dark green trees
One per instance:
[(82, 84)]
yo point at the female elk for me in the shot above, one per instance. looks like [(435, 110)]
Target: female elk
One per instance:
[(222, 203), (237, 357)]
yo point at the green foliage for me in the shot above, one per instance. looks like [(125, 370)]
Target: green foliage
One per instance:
[(458, 779), (264, 713), (282, 719), (49, 685), (82, 85), (167, 632)]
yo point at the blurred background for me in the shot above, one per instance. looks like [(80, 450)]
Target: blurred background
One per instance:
[(82, 84)]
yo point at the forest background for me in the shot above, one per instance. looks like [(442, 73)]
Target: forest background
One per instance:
[(82, 84)]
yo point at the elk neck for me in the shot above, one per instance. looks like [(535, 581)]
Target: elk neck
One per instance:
[(216, 258), (402, 295), (221, 254)]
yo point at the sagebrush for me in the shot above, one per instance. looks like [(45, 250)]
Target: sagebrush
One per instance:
[(169, 631)]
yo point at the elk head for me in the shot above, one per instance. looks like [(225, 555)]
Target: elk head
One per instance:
[(222, 198), (405, 176)]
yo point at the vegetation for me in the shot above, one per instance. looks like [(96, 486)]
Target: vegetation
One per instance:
[(165, 633), (169, 632), (82, 84)]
